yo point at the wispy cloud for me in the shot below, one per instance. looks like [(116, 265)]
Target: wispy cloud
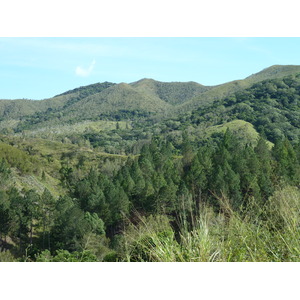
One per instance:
[(84, 72)]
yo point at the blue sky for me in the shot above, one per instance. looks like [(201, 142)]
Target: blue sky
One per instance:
[(39, 68)]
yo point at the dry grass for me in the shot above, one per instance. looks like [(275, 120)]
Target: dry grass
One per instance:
[(261, 233)]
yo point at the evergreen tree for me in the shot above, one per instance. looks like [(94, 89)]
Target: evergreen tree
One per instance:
[(118, 203), (166, 199), (69, 226), (287, 164), (138, 178), (200, 173), (186, 208), (247, 164), (265, 169), (23, 212), (46, 211), (187, 151), (5, 217)]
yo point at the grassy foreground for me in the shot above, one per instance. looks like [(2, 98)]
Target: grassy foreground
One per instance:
[(268, 233)]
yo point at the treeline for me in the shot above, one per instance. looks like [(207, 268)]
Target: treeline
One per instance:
[(89, 222)]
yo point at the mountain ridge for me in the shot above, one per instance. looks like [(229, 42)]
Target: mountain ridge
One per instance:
[(145, 97)]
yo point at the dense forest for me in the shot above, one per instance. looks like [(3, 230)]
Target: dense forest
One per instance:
[(154, 171)]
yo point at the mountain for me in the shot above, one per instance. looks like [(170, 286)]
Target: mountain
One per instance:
[(171, 92), (224, 90), (273, 72), (85, 91), (115, 98), (141, 99), (14, 109)]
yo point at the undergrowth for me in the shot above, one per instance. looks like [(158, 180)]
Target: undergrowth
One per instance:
[(268, 232)]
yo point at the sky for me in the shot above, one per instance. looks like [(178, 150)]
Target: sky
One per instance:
[(39, 68)]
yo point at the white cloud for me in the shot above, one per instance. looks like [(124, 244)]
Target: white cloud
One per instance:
[(84, 72)]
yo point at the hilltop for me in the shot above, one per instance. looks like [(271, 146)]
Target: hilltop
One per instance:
[(145, 98)]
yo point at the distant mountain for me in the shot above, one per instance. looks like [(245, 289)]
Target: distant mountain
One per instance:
[(171, 92), (14, 109), (20, 108), (226, 89), (88, 90), (142, 98), (117, 97), (272, 106), (273, 72)]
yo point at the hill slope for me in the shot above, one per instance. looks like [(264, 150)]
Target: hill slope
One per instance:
[(273, 72), (226, 89), (143, 98), (171, 92)]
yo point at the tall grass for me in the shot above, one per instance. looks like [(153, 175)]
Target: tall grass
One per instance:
[(268, 232)]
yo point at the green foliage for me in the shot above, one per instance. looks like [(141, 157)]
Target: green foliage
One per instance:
[(172, 92), (266, 233), (71, 224), (148, 239), (6, 256), (154, 171), (66, 256), (16, 158), (272, 106), (85, 91)]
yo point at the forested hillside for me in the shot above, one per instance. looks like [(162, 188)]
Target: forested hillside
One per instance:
[(153, 171)]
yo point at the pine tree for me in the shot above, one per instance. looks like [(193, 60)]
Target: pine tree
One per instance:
[(46, 211), (138, 178), (247, 167), (287, 165), (199, 174), (69, 225), (5, 217), (187, 152), (186, 208), (23, 212), (265, 170), (118, 204), (166, 199)]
